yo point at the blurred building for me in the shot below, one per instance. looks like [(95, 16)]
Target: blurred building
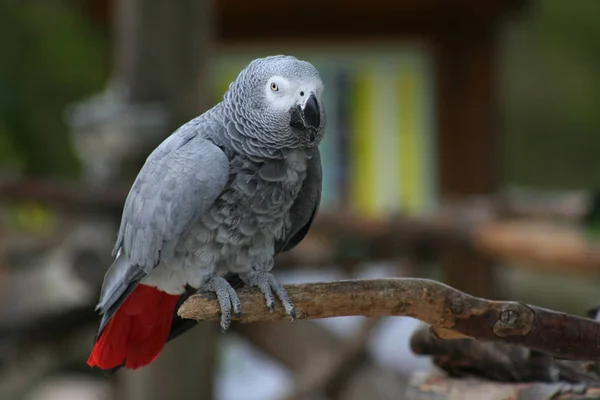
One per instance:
[(409, 89)]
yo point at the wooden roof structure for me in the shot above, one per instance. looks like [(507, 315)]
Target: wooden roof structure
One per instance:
[(461, 33), (250, 20)]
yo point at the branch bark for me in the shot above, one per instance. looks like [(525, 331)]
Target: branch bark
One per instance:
[(432, 387), (451, 313), (500, 362)]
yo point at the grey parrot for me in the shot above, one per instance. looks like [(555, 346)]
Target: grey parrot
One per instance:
[(223, 194)]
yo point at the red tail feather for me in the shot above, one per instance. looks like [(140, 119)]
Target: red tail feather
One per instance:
[(137, 332)]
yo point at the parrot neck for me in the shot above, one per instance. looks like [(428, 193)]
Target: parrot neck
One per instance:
[(240, 138)]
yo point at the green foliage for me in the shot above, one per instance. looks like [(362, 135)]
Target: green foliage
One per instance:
[(552, 95), (50, 56)]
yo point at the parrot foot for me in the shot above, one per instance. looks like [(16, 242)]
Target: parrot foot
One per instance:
[(227, 297), (270, 287)]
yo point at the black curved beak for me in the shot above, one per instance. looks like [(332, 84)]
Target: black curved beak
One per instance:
[(307, 115), (311, 112)]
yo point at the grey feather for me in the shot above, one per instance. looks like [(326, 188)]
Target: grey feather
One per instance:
[(169, 194), (227, 191), (119, 281), (305, 207), (273, 171), (179, 181)]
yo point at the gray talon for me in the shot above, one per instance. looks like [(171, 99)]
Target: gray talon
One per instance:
[(227, 298), (237, 313), (235, 302), (269, 287)]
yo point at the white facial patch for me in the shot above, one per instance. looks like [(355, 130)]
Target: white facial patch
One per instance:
[(278, 91), (284, 94)]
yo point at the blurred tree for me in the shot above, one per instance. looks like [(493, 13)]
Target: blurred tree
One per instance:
[(552, 95), (50, 56)]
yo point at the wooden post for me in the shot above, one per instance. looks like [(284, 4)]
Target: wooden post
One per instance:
[(162, 50), (467, 138), (184, 370)]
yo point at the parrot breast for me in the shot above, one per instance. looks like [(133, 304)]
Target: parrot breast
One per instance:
[(239, 230)]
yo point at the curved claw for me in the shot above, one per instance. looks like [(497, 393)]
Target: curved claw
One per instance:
[(270, 287), (227, 298)]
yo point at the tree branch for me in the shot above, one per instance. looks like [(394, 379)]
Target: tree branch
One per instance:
[(451, 313), (473, 222), (500, 362), (425, 386)]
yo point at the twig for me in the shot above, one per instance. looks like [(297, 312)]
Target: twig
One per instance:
[(451, 313)]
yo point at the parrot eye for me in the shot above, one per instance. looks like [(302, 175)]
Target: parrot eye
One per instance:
[(274, 87)]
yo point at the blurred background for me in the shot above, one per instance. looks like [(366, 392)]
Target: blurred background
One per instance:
[(462, 146)]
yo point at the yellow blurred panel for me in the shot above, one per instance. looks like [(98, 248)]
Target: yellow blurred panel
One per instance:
[(411, 139)]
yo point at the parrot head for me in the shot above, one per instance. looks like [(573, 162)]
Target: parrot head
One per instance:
[(281, 97)]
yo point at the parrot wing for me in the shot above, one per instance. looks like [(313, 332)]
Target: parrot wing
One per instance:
[(305, 207), (180, 180)]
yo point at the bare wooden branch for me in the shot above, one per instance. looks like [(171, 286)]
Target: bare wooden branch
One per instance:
[(340, 237), (451, 313), (434, 387), (542, 245), (539, 244), (500, 362)]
